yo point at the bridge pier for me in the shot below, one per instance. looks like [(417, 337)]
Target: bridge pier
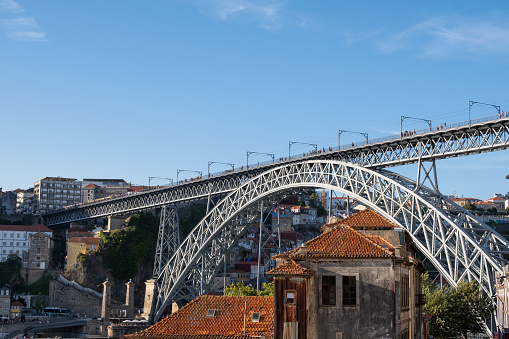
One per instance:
[(148, 307)]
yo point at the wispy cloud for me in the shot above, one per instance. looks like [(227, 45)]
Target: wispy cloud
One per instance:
[(9, 5), (20, 28), (27, 36), (444, 37), (267, 13), (351, 38)]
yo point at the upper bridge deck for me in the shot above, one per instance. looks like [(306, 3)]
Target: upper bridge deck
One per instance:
[(464, 138)]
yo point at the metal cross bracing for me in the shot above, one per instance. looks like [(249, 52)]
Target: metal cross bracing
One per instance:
[(199, 267), (457, 244), (485, 136), (168, 239)]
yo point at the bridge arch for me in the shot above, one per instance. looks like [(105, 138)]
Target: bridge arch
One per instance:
[(458, 245)]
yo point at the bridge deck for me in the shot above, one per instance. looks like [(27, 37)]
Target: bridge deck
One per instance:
[(460, 139)]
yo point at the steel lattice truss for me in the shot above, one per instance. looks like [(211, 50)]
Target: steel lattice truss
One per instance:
[(457, 244), (479, 138), (483, 137), (168, 239)]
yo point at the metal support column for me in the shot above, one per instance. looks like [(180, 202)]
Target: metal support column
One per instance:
[(259, 249), (168, 239)]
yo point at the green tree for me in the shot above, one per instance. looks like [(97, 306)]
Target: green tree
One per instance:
[(492, 211), (320, 210), (507, 210), (9, 268), (456, 311), (469, 207), (239, 289), (313, 198), (128, 246), (39, 303)]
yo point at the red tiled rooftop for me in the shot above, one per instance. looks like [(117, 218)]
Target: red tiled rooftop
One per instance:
[(28, 228), (92, 186), (227, 322), (365, 219), (290, 268), (341, 242), (86, 240)]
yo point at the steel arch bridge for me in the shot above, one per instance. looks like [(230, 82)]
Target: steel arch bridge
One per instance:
[(461, 139), (458, 245)]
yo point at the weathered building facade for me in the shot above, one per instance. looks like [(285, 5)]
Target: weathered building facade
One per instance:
[(358, 279)]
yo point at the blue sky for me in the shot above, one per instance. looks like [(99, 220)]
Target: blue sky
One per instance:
[(133, 89)]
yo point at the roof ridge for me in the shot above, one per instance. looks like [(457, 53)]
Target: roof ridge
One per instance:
[(374, 243)]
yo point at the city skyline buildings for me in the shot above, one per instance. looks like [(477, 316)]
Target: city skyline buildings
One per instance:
[(172, 85)]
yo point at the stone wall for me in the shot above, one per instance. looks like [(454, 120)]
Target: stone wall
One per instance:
[(66, 295)]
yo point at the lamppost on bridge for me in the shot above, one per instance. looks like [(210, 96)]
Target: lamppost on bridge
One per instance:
[(181, 170), (249, 153), (341, 131), (217, 162), (402, 118), (296, 142), (150, 178), (472, 103)]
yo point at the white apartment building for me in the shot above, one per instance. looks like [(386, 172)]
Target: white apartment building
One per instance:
[(25, 201), (53, 193), (14, 238)]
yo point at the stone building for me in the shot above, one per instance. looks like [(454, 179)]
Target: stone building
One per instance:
[(80, 245), (93, 189), (5, 301), (36, 260), (14, 239), (25, 201), (358, 279)]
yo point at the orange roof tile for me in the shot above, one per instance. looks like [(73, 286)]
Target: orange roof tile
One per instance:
[(290, 268), (85, 240), (381, 241), (341, 242), (365, 219), (228, 321), (91, 185)]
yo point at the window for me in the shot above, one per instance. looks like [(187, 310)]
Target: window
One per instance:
[(349, 290), (405, 291), (290, 297), (211, 312), (328, 290), (255, 317)]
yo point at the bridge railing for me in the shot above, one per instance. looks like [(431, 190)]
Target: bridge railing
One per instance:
[(332, 149)]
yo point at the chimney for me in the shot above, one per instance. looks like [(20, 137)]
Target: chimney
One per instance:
[(303, 250)]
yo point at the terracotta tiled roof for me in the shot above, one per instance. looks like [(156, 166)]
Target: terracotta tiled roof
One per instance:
[(290, 268), (381, 241), (192, 336), (86, 240), (92, 186), (341, 242), (28, 228), (366, 219), (191, 321)]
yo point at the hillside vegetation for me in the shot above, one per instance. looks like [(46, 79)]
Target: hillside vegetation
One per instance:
[(125, 248)]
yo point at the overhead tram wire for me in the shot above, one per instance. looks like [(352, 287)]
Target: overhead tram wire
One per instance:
[(327, 142)]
